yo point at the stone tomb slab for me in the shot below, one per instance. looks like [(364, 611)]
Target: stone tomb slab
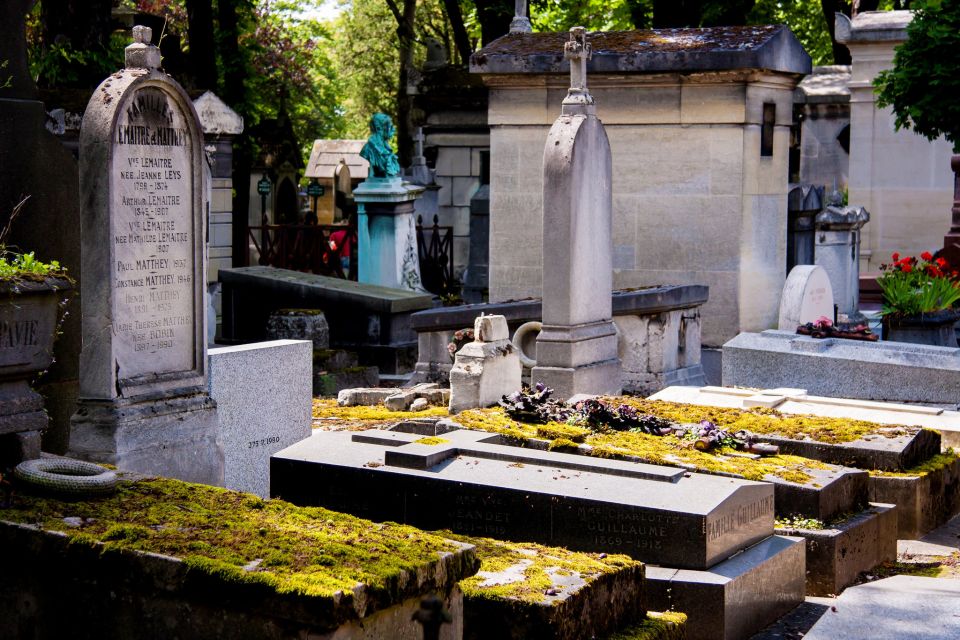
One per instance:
[(735, 598), (837, 555), (473, 484), (924, 501), (892, 448), (831, 490)]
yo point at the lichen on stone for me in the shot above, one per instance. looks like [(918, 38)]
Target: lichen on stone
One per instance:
[(930, 465), (363, 415), (668, 625), (431, 440)]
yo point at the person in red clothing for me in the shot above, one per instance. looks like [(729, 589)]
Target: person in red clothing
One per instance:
[(340, 247)]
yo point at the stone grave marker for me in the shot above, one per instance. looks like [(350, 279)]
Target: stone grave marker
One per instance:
[(144, 404), (486, 369), (577, 347), (807, 296), (472, 483)]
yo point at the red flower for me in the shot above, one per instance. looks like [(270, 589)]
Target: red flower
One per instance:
[(896, 257), (926, 255), (941, 262), (906, 267)]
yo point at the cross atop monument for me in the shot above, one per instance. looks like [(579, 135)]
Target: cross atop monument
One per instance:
[(418, 140), (520, 22), (578, 51)]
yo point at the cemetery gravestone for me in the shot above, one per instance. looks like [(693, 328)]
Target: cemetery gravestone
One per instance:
[(807, 296), (577, 347), (144, 404)]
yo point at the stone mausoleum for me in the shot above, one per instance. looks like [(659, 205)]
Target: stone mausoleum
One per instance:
[(699, 127)]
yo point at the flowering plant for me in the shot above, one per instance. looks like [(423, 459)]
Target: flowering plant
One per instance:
[(912, 286), (460, 338)]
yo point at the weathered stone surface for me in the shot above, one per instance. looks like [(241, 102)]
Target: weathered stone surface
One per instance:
[(584, 606), (837, 555), (735, 598), (143, 384), (297, 324), (577, 346), (892, 448), (924, 502), (897, 608), (374, 321), (486, 369), (807, 296), (474, 485), (263, 395), (386, 233), (846, 368), (838, 252), (114, 594)]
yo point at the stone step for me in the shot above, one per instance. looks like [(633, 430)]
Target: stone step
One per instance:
[(836, 555), (737, 597)]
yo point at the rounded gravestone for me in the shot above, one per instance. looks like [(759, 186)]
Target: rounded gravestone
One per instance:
[(807, 296)]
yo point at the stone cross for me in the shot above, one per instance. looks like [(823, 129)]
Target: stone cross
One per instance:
[(520, 22), (578, 51)]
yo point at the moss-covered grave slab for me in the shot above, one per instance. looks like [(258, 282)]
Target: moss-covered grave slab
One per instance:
[(926, 496), (802, 486), (853, 433), (526, 591), (164, 558), (666, 625), (840, 551)]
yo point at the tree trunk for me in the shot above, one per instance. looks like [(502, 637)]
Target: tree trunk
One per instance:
[(460, 37), (841, 55), (234, 94), (200, 31), (494, 17)]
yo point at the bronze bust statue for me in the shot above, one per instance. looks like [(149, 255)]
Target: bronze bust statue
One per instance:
[(377, 151)]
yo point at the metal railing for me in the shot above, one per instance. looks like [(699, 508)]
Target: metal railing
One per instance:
[(309, 248)]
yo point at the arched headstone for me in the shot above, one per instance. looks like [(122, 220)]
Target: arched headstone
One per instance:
[(807, 296), (144, 404)]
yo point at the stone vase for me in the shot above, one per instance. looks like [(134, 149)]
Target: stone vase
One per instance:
[(29, 315), (936, 329)]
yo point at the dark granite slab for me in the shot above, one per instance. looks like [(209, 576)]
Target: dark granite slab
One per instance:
[(474, 484)]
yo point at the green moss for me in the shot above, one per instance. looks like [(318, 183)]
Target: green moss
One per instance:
[(665, 450), (935, 463), (799, 522), (669, 625), (558, 430), (239, 537), (323, 354), (765, 421), (431, 441), (372, 416), (499, 555)]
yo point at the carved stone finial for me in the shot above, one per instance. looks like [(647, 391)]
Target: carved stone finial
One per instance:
[(520, 22), (141, 54), (578, 51), (142, 34)]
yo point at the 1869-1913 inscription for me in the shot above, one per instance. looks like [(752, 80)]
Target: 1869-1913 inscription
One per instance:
[(153, 237)]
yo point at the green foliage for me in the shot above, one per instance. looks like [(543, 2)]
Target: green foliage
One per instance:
[(923, 85), (595, 15), (806, 21), (19, 265), (912, 286)]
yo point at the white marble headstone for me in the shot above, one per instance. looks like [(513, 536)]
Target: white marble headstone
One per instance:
[(807, 296)]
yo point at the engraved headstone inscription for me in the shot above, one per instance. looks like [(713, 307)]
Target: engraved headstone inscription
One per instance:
[(143, 394)]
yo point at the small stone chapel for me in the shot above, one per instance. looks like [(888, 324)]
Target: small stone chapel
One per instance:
[(699, 128)]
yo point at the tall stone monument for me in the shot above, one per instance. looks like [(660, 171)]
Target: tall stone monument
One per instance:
[(577, 348), (386, 231), (144, 404)]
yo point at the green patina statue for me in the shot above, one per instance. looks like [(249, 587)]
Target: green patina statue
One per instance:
[(377, 151)]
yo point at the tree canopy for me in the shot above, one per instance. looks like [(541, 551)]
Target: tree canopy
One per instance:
[(924, 84)]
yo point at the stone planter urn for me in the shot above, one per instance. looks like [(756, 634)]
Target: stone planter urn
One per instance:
[(935, 328), (29, 314)]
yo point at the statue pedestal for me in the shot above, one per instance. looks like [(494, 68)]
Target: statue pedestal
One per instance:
[(387, 234)]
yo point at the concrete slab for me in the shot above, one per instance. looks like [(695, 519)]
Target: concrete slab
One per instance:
[(897, 608)]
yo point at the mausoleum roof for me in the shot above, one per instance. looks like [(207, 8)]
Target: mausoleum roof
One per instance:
[(826, 84), (326, 155), (770, 47)]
